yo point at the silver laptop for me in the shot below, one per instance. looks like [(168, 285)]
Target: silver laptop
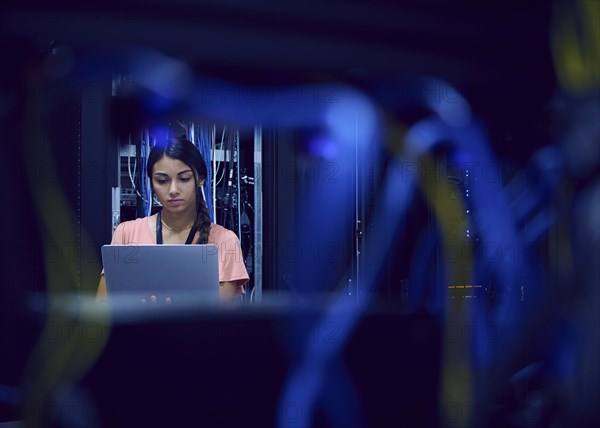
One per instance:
[(172, 273)]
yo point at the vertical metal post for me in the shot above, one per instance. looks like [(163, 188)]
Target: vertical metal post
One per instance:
[(236, 159), (357, 217), (258, 214)]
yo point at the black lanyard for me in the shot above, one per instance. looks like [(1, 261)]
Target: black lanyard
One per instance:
[(159, 239)]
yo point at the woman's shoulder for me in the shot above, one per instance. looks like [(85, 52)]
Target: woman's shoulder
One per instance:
[(132, 231), (130, 225), (219, 234)]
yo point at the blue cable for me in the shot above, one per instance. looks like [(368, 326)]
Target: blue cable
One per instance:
[(147, 189), (203, 142)]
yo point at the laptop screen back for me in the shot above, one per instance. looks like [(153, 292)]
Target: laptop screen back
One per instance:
[(139, 271)]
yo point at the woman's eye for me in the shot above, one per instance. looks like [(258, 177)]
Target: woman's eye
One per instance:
[(185, 179), (161, 181)]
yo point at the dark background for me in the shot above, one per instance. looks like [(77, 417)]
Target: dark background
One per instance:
[(496, 53)]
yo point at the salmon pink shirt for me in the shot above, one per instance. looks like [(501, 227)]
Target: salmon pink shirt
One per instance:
[(231, 261)]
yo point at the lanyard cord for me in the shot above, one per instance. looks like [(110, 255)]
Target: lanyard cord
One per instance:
[(159, 237)]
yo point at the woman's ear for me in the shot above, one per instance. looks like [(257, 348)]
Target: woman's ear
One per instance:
[(201, 181)]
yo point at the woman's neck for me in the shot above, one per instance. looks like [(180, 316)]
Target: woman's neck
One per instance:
[(178, 222)]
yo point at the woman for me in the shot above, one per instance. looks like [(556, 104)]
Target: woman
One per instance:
[(177, 172)]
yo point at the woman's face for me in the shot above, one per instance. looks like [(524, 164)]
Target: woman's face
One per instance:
[(174, 185)]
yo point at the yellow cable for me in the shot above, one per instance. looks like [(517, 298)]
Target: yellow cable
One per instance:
[(456, 393), (66, 359), (576, 48)]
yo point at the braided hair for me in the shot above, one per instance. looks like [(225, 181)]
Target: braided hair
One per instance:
[(180, 148)]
